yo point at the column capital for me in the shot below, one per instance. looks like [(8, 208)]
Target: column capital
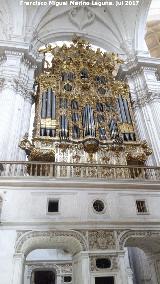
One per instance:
[(143, 79), (138, 63), (17, 69), (144, 99)]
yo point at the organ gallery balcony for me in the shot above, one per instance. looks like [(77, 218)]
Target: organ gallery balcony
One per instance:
[(75, 171)]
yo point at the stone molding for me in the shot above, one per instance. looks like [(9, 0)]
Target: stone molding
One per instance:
[(28, 240)]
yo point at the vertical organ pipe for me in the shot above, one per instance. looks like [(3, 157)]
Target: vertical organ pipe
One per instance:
[(53, 111), (122, 110), (43, 109), (49, 105), (53, 106), (43, 112), (88, 121), (119, 111), (125, 103), (123, 115), (49, 95)]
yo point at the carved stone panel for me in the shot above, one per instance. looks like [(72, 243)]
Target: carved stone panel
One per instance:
[(101, 239)]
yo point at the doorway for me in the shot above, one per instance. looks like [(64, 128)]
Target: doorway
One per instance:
[(104, 280), (44, 277)]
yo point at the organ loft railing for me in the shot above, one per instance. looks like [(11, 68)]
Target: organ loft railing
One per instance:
[(83, 113)]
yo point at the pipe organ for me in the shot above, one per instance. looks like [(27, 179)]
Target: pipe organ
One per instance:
[(83, 113)]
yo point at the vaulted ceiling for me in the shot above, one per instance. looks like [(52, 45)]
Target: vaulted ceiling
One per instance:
[(119, 29), (153, 29)]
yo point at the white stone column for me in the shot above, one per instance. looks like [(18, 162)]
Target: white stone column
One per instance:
[(81, 272), (128, 267), (144, 88), (59, 279), (16, 77), (155, 109), (32, 278), (27, 275), (154, 263), (18, 270), (123, 269)]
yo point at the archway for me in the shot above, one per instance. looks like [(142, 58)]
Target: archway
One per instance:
[(71, 241), (144, 251), (49, 265)]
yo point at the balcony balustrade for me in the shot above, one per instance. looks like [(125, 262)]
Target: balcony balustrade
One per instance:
[(81, 170)]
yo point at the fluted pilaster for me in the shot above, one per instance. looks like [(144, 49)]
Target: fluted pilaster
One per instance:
[(16, 81), (141, 75)]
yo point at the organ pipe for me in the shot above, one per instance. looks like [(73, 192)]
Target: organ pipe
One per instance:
[(53, 106), (127, 111), (43, 113), (49, 105), (122, 110)]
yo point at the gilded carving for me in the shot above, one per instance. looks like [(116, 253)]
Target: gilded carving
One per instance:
[(82, 81)]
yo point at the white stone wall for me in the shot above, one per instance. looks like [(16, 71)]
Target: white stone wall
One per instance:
[(22, 205), (7, 242)]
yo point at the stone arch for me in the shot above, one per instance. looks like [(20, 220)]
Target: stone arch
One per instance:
[(147, 240), (72, 241)]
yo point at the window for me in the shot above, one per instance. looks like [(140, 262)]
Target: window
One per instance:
[(141, 206), (67, 278), (104, 280), (53, 206), (103, 263), (98, 206)]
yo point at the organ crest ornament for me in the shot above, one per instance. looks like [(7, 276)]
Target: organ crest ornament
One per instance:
[(82, 110)]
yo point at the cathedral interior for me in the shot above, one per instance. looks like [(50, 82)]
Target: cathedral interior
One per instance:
[(80, 142)]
